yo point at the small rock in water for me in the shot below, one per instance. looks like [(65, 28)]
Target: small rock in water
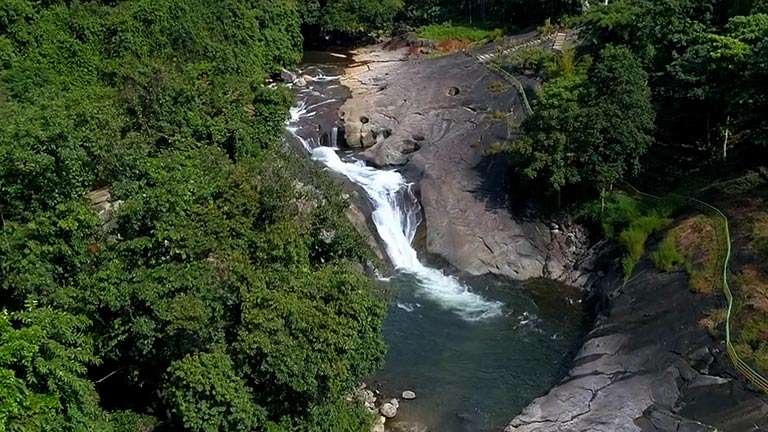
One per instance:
[(388, 410), (395, 402), (300, 82), (409, 395)]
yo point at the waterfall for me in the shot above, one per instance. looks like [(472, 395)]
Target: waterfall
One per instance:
[(335, 137), (396, 215)]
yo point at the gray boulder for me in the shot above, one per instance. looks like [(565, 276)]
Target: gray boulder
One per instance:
[(388, 410)]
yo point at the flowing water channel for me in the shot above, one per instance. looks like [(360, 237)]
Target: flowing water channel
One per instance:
[(474, 350)]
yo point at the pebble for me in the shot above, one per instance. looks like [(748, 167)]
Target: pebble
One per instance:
[(409, 395)]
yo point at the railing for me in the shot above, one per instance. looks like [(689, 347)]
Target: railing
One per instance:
[(740, 365), (516, 83), (754, 377)]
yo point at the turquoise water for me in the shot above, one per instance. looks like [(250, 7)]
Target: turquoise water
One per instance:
[(475, 376)]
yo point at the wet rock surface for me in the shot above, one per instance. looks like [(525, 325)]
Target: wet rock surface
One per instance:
[(436, 120), (648, 366)]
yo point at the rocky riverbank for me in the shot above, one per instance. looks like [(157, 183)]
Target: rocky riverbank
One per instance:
[(648, 364)]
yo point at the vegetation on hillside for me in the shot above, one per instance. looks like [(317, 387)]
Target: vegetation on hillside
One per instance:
[(697, 245), (588, 127), (630, 220), (444, 32), (495, 13), (349, 16), (224, 293), (695, 90)]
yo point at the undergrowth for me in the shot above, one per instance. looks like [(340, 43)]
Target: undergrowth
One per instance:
[(630, 221), (696, 244), (667, 257), (448, 31)]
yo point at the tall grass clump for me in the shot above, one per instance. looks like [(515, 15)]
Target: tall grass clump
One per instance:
[(448, 31), (630, 221), (667, 257)]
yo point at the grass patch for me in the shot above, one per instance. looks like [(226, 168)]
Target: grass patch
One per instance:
[(630, 221), (446, 32), (498, 87), (499, 115), (667, 257), (752, 344), (698, 245), (634, 237)]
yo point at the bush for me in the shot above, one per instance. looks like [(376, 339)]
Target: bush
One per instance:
[(636, 235), (447, 31), (752, 340), (667, 257), (631, 221)]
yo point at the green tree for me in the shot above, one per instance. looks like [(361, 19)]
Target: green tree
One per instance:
[(617, 124), (350, 16), (206, 394), (44, 356), (723, 75), (588, 130), (548, 150)]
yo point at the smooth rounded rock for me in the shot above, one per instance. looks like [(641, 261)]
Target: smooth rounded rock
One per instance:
[(388, 410), (409, 395)]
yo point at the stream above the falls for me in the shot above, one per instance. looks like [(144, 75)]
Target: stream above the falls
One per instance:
[(475, 350)]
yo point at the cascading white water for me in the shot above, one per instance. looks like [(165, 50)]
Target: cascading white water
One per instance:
[(396, 214)]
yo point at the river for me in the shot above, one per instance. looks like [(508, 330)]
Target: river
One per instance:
[(474, 350)]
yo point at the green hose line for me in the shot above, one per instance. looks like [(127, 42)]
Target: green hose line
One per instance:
[(740, 365)]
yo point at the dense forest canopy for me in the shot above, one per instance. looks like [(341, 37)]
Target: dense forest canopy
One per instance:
[(362, 17), (211, 301), (500, 13), (687, 76)]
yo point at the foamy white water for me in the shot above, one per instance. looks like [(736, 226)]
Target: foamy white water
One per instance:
[(396, 215)]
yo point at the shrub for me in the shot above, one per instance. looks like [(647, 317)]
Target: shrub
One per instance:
[(667, 257), (630, 221), (753, 340), (635, 236), (447, 31)]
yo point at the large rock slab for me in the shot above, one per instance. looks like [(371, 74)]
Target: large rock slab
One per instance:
[(645, 366), (437, 119)]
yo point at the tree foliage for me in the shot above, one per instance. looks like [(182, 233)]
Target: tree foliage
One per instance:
[(704, 60), (350, 16), (588, 129), (223, 292), (505, 13)]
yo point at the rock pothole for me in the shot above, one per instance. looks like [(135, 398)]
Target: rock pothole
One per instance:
[(409, 146)]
